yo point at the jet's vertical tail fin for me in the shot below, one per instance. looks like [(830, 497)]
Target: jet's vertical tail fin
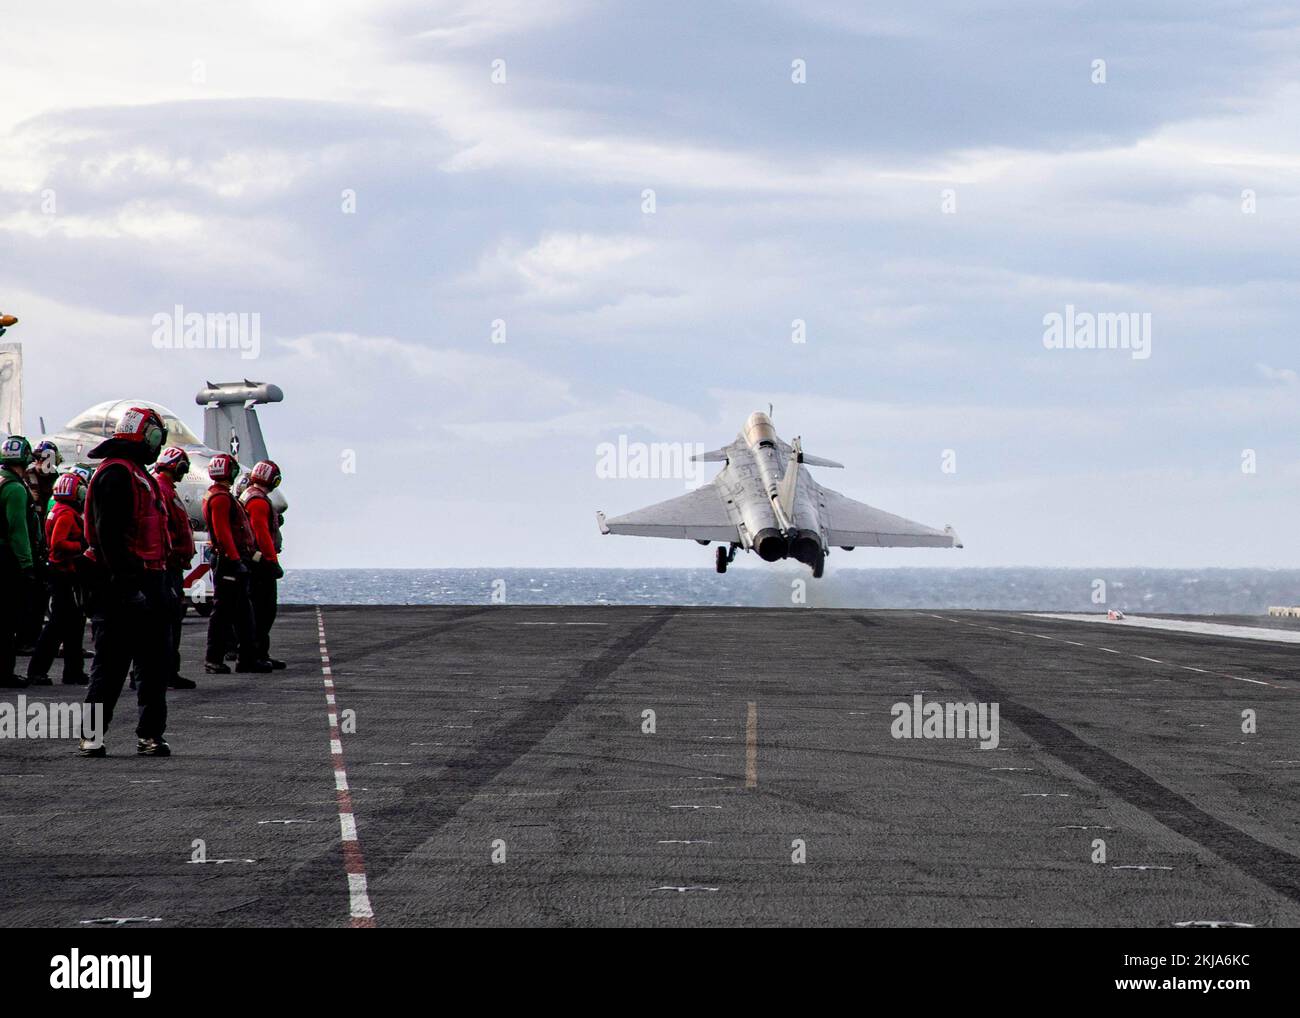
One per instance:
[(789, 485), (230, 421), (11, 388)]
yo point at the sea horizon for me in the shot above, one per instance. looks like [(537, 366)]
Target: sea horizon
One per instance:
[(1209, 590)]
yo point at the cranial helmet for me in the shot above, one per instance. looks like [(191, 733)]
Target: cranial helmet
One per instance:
[(70, 488), (266, 474), (223, 467), (175, 460)]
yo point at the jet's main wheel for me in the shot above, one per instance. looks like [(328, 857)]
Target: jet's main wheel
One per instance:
[(819, 566), (722, 560)]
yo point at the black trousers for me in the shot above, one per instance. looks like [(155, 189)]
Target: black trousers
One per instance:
[(123, 632), (36, 605), (232, 610), (176, 584), (15, 597), (266, 600), (66, 625)]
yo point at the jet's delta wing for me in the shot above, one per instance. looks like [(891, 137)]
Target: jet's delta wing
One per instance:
[(699, 515), (851, 524)]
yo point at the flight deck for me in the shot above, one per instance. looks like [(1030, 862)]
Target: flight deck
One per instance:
[(569, 766)]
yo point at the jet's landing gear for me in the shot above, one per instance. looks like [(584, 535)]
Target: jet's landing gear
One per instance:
[(724, 558), (819, 565)]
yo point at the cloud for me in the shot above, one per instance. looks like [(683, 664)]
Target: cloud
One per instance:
[(560, 266), (1286, 376)]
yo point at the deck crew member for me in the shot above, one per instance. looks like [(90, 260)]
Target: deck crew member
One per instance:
[(264, 520), (129, 602), (40, 477), (232, 547), (172, 466), (65, 537), (18, 584)]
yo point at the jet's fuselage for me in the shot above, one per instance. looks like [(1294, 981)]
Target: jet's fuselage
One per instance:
[(757, 465)]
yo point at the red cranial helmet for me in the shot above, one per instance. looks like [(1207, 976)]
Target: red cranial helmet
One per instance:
[(70, 488), (223, 467), (140, 426), (266, 474), (175, 461)]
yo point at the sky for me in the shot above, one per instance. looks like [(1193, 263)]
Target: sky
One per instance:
[(485, 238)]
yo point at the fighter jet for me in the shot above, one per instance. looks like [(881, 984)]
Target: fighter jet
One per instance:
[(765, 501)]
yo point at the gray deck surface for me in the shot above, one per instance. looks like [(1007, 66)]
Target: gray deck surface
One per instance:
[(524, 725)]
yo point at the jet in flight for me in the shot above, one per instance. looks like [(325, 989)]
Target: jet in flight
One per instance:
[(765, 501)]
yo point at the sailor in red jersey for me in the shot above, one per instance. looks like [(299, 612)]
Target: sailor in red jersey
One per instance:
[(232, 548), (172, 466), (66, 539), (126, 528), (264, 519)]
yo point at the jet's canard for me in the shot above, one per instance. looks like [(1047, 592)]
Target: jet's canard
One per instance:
[(765, 501)]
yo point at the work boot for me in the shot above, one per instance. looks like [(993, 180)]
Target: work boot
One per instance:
[(12, 682), (39, 680), (216, 667), (152, 747), (76, 680), (181, 682), (253, 666), (276, 663), (87, 748)]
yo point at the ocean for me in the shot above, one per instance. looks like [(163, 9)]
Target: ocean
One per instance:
[(1200, 591)]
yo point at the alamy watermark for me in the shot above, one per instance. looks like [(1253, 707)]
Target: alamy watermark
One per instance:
[(645, 460), (45, 719), (75, 971), (1086, 330), (935, 720), (179, 329)]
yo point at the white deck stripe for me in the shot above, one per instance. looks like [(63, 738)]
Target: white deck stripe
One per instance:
[(360, 911), (1183, 626), (359, 896), (1202, 628)]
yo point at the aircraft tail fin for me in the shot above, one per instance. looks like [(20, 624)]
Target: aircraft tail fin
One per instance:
[(230, 421), (11, 388), (789, 485)]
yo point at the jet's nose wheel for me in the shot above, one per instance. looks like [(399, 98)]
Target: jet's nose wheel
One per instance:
[(722, 559), (819, 566)]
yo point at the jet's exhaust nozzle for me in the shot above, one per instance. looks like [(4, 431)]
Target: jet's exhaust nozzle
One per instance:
[(771, 545), (806, 547)]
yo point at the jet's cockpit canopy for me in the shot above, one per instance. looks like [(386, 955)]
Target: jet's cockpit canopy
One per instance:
[(759, 430), (102, 419)]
